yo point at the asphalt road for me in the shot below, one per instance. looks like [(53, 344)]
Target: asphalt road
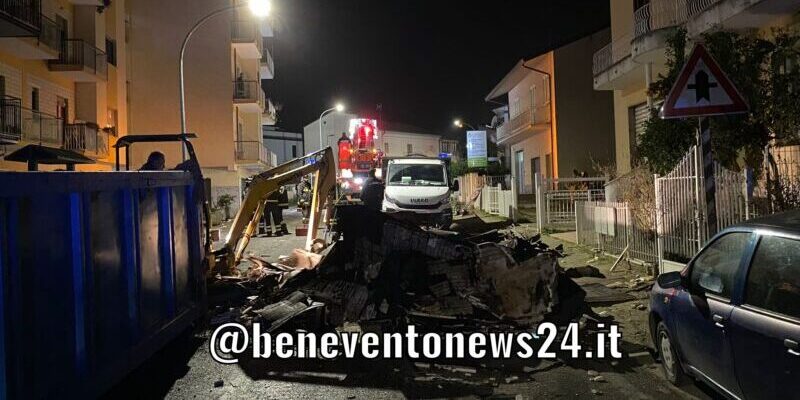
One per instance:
[(185, 369)]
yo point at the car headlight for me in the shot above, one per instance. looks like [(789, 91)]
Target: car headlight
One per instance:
[(345, 185), (359, 181)]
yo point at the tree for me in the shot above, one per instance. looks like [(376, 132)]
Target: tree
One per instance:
[(764, 69)]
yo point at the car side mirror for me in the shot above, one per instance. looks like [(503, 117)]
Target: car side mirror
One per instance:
[(670, 280), (455, 187)]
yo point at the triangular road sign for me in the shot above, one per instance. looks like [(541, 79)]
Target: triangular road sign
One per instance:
[(702, 89)]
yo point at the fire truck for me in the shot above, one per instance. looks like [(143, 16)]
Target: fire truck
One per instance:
[(358, 154)]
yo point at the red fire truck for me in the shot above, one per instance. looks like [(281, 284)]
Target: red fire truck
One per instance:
[(358, 154)]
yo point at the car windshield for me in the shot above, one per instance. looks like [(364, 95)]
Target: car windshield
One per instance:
[(416, 175)]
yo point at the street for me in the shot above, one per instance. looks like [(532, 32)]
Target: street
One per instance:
[(186, 369)]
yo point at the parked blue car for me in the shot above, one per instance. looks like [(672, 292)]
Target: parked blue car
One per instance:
[(731, 318)]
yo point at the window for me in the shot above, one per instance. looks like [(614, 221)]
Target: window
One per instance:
[(111, 51), (386, 147), (774, 279), (294, 151), (409, 149), (35, 99), (715, 268)]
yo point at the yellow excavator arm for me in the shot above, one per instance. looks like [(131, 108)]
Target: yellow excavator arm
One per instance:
[(320, 164)]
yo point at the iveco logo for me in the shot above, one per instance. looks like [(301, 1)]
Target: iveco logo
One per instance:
[(417, 201)]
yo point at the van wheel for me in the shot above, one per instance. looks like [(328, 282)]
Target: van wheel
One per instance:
[(669, 357)]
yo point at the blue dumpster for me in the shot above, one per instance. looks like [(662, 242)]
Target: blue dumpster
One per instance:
[(97, 272)]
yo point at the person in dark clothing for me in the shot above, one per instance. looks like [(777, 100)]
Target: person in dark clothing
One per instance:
[(372, 192), (155, 162), (277, 201)]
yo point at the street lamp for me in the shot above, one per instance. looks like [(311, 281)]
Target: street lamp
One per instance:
[(461, 124), (339, 107), (259, 8)]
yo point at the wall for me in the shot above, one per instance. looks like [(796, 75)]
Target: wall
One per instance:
[(584, 116), (395, 144), (333, 124), (157, 30), (535, 145), (280, 143)]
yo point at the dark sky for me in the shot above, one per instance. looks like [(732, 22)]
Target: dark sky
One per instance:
[(426, 61)]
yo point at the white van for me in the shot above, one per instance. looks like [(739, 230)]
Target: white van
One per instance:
[(419, 187)]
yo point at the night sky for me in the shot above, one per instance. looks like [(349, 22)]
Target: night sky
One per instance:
[(426, 61)]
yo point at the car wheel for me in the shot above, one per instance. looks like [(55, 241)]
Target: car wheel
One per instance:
[(669, 357)]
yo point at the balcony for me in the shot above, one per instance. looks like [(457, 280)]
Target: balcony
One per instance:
[(42, 128), (248, 96), (531, 120), (267, 65), (81, 61), (20, 18), (87, 2), (246, 39), (251, 152), (614, 68), (10, 120), (46, 45), (705, 15), (270, 114), (86, 138)]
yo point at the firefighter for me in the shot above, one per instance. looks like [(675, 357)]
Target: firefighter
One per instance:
[(277, 201), (372, 193), (303, 191)]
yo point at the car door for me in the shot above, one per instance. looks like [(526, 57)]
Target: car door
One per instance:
[(765, 328), (704, 309)]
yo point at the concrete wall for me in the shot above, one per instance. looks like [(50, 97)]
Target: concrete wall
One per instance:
[(584, 116), (333, 124)]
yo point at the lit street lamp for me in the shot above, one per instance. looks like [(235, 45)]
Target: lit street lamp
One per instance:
[(461, 124), (338, 108), (259, 8)]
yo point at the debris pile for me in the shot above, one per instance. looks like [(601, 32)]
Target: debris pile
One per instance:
[(383, 269)]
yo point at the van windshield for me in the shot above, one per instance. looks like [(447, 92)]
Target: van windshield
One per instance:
[(416, 175)]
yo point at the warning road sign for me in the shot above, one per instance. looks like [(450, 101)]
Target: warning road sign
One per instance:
[(702, 89)]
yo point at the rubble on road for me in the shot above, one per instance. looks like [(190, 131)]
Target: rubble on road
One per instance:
[(383, 269)]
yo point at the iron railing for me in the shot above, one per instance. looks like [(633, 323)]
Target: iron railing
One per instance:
[(87, 138), (611, 54), (10, 119), (51, 34), (269, 110), (244, 90), (27, 12), (42, 128), (267, 61), (251, 151), (247, 31), (78, 53), (660, 14)]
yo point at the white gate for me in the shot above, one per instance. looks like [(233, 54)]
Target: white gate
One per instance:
[(555, 199), (681, 214)]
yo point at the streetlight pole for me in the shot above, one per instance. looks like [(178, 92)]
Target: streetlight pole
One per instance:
[(338, 108), (181, 83)]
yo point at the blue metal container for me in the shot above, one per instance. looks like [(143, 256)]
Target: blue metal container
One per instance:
[(97, 272)]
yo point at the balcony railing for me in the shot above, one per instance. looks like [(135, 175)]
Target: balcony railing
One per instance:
[(244, 90), (268, 62), (42, 128), (26, 12), (611, 54), (246, 31), (269, 110), (80, 54), (660, 14), (50, 35), (10, 119), (251, 151), (86, 138), (529, 117)]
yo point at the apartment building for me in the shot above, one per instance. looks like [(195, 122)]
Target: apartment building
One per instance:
[(225, 62), (548, 119), (635, 54), (63, 73)]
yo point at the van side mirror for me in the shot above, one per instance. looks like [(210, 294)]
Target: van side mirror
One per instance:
[(670, 280), (455, 187)]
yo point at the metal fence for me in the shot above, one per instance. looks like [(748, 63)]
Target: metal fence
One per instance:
[(611, 228), (556, 197), (681, 209)]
